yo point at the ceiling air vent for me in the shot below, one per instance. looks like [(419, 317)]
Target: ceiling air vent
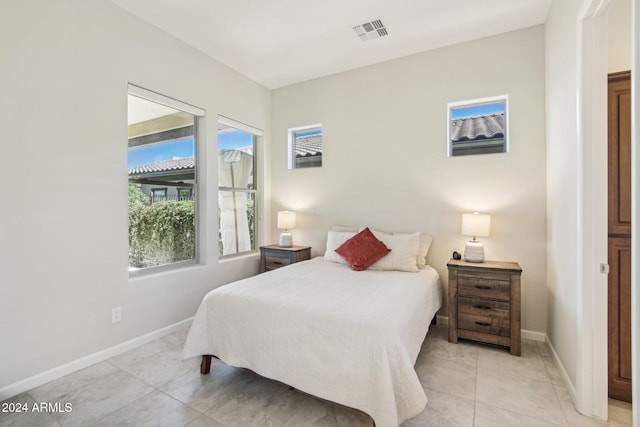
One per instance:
[(371, 30)]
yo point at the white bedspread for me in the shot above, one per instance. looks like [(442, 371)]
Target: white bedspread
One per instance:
[(345, 336)]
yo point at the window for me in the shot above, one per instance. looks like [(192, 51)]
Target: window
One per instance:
[(478, 126), (236, 186), (162, 181), (305, 147)]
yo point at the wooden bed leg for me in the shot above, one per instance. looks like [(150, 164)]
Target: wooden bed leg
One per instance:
[(205, 365)]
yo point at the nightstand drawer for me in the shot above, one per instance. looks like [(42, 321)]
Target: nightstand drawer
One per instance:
[(482, 307), (484, 324), (274, 256), (484, 287), (273, 262)]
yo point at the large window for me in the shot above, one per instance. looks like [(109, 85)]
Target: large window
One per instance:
[(162, 181), (236, 186)]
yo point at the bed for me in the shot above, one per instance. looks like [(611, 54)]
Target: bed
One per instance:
[(351, 337)]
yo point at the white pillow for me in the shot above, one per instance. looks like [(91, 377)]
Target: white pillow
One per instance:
[(334, 240), (404, 250), (423, 249)]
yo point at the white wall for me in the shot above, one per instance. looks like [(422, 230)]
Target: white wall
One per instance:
[(385, 161), (563, 183), (565, 256), (63, 110), (619, 36)]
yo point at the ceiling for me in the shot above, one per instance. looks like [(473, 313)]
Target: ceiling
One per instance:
[(281, 42)]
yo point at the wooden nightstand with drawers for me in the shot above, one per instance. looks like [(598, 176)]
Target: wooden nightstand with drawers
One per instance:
[(273, 256), (484, 302)]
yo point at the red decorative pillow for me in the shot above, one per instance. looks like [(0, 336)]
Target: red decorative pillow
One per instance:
[(362, 250)]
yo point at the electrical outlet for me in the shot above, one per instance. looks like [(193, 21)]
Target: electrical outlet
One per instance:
[(116, 314)]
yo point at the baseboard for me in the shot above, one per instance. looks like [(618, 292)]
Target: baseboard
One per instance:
[(533, 335), (563, 372), (541, 337), (62, 370)]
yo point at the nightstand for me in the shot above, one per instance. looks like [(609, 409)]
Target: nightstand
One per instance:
[(484, 302), (273, 256)]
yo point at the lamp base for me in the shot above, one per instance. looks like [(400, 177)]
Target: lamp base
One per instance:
[(286, 240), (474, 251)]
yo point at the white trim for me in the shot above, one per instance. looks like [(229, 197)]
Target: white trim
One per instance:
[(476, 102), (533, 335), (591, 387), (563, 372), (199, 135), (540, 337), (62, 370), (291, 155), (164, 100), (479, 101), (239, 125)]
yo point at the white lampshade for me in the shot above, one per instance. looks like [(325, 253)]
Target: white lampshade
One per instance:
[(286, 221), (475, 224)]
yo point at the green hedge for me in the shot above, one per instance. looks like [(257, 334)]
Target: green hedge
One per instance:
[(159, 233)]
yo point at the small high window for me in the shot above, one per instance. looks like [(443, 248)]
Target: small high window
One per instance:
[(305, 147), (478, 126)]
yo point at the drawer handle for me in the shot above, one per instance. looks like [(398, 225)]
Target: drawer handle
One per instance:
[(482, 287), (277, 262), (483, 307), (483, 323)]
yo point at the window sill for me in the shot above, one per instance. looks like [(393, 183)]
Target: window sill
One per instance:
[(229, 258), (163, 269)]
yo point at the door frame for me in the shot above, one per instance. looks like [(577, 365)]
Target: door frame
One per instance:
[(592, 369)]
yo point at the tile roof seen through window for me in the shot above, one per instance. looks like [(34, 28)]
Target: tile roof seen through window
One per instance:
[(477, 128), (309, 145), (166, 166)]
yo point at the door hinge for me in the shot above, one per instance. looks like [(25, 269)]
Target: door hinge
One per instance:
[(604, 268)]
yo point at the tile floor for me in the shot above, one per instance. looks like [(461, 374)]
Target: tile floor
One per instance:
[(467, 384)]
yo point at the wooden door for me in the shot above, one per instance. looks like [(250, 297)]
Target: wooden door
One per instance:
[(619, 229)]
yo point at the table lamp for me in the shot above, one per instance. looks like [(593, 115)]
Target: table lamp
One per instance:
[(286, 222), (475, 225)]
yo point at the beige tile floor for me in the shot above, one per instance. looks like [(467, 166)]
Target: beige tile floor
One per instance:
[(467, 384)]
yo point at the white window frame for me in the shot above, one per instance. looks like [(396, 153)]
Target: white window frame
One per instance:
[(257, 203), (291, 151), (199, 115), (478, 102)]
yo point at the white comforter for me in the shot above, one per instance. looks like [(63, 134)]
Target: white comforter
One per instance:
[(345, 336)]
